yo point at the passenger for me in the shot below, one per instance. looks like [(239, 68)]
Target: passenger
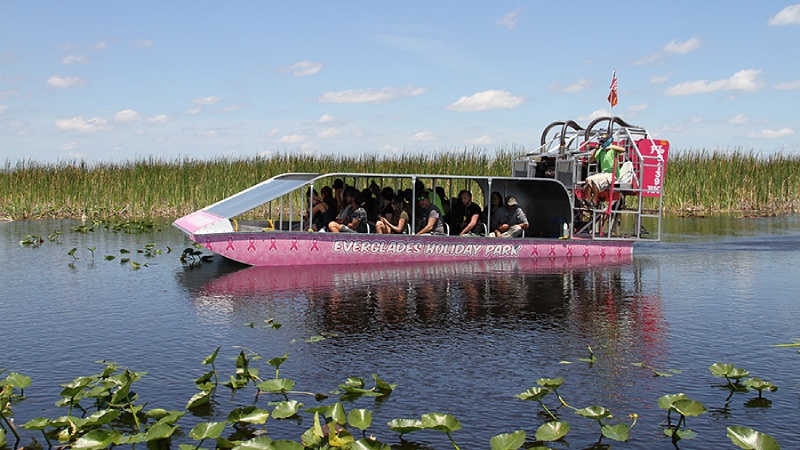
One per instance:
[(444, 202), (397, 224), (496, 211), (515, 222), (431, 217), (470, 219), (338, 193), (319, 212), (330, 200), (606, 153), (353, 218), (419, 188), (370, 205), (385, 208)]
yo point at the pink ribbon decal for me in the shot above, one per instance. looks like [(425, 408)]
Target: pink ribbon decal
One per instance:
[(230, 244), (294, 247), (273, 244), (603, 251), (251, 247), (569, 251), (552, 251), (535, 252), (585, 251), (208, 243), (314, 245)]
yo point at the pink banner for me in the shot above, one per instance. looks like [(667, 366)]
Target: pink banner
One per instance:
[(652, 177)]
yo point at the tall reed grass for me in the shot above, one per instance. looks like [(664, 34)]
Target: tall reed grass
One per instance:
[(695, 181)]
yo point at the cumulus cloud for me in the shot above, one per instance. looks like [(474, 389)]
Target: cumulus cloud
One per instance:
[(659, 79), (127, 116), (304, 68), (64, 82), (370, 95), (509, 20), (82, 125), (743, 80), (142, 43), (328, 132), (673, 47), (292, 139), (480, 141), (102, 45), (788, 16), (158, 118), (69, 146), (326, 118), (487, 100), (571, 88), (788, 85), (422, 136), (739, 119), (206, 101), (772, 134), (75, 59)]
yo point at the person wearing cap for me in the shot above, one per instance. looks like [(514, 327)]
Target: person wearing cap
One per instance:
[(605, 154), (516, 221), (353, 218), (430, 221)]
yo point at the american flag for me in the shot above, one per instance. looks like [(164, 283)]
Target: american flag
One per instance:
[(612, 96)]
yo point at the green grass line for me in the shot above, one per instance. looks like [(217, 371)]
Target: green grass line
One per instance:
[(696, 181)]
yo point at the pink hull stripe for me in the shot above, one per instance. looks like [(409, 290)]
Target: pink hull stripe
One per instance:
[(299, 249)]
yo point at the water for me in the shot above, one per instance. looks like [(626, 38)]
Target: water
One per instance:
[(459, 339)]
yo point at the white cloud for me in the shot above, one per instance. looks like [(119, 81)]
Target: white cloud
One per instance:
[(158, 118), (206, 101), (788, 16), (571, 88), (194, 111), (78, 123), (422, 136), (142, 43), (64, 82), (743, 80), (69, 146), (659, 79), (3, 108), (788, 85), (676, 46), (509, 20), (487, 100), (75, 59), (209, 133), (326, 118), (772, 134), (739, 119), (370, 95), (328, 132), (593, 115), (102, 45), (292, 139), (481, 140), (273, 132), (127, 116), (638, 107), (304, 68), (233, 108)]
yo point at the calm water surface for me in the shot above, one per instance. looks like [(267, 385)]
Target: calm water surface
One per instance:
[(460, 339)]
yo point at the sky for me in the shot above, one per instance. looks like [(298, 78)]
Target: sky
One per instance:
[(121, 81)]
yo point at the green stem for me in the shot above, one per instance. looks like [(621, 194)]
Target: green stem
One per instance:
[(135, 419), (548, 411), (452, 441), (10, 427)]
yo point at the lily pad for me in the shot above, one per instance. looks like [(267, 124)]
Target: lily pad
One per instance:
[(248, 414), (97, 439), (441, 422), (403, 426), (750, 439), (277, 385), (594, 412), (257, 443), (680, 434), (508, 441), (552, 431), (286, 409), (207, 430), (688, 408), (534, 393), (619, 432), (666, 401), (550, 383), (369, 444), (360, 418)]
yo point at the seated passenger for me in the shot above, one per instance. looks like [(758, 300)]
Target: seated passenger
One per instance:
[(606, 153), (385, 207), (398, 221), (430, 215), (515, 222), (353, 218), (319, 212), (496, 211), (469, 222)]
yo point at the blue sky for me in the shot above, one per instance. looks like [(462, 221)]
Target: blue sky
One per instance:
[(117, 81)]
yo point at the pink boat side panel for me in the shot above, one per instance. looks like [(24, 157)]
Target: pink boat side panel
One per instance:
[(296, 249), (196, 221)]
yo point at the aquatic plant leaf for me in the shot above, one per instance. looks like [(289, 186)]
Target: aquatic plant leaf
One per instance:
[(286, 409), (162, 415), (382, 385), (257, 443), (552, 431), (97, 439), (248, 414), (360, 418), (277, 361), (159, 430), (441, 422), (109, 257), (276, 385), (534, 393), (201, 398), (72, 251), (738, 373), (39, 423), (594, 412), (339, 437), (316, 338), (750, 439), (550, 383), (403, 426), (619, 432), (2, 437), (102, 417), (757, 384), (357, 382), (337, 414), (211, 358), (508, 441), (666, 401), (688, 408), (728, 371), (207, 430), (17, 380), (286, 445), (680, 434), (369, 444)]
